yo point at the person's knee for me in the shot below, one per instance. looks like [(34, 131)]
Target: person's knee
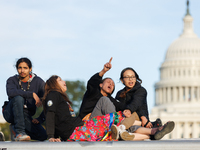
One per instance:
[(107, 106), (18, 100), (104, 101), (8, 116)]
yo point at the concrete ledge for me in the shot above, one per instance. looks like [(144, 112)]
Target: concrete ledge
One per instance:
[(184, 144)]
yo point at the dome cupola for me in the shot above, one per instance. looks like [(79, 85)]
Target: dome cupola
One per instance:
[(182, 59)]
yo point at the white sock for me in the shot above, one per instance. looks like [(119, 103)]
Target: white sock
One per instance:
[(122, 127)]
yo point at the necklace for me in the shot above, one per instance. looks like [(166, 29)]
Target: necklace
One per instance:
[(20, 83)]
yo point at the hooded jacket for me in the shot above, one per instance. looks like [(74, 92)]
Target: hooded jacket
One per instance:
[(135, 100), (36, 85)]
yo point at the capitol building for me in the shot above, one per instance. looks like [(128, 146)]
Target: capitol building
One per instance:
[(177, 93)]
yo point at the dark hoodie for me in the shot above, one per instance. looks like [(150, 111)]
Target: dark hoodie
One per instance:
[(36, 85), (135, 100)]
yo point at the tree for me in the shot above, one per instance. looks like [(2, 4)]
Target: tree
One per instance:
[(75, 92)]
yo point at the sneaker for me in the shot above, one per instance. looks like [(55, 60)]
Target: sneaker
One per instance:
[(2, 138), (22, 137), (115, 132), (122, 134), (12, 132), (163, 130), (157, 123), (126, 136)]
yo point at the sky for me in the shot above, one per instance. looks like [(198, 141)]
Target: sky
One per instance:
[(75, 38)]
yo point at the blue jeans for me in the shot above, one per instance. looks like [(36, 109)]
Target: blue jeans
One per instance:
[(14, 113)]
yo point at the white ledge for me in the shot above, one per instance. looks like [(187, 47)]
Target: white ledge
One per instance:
[(183, 144)]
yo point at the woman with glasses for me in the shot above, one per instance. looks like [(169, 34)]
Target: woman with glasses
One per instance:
[(135, 97)]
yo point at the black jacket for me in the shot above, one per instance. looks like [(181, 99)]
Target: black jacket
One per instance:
[(59, 122), (92, 95), (135, 100)]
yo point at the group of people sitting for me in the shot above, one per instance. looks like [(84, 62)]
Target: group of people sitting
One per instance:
[(101, 117)]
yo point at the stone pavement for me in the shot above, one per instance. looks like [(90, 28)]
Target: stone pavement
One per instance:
[(182, 144)]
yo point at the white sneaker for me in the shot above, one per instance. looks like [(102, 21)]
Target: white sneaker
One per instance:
[(117, 133), (22, 137)]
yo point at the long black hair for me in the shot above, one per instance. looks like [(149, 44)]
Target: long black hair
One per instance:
[(136, 75)]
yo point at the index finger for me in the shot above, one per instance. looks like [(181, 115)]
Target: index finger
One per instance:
[(110, 60)]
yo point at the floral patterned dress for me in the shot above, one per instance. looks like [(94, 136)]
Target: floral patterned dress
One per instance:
[(97, 129)]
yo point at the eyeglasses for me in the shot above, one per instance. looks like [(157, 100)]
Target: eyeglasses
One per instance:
[(132, 77)]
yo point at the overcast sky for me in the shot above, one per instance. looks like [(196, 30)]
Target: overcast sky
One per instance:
[(75, 38)]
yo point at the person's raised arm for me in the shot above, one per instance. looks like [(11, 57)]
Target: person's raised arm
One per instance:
[(106, 67)]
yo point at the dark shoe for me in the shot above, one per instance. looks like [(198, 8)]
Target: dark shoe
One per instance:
[(2, 138), (162, 131), (157, 123)]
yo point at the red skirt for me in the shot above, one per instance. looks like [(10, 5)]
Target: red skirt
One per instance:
[(97, 129)]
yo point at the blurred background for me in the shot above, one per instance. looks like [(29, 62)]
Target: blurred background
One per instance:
[(74, 39)]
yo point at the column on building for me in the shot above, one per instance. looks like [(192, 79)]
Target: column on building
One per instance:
[(175, 94), (192, 94), (195, 93), (195, 130), (189, 93), (157, 96), (186, 130), (168, 95), (164, 95), (186, 94), (176, 132), (198, 94), (160, 96), (180, 94)]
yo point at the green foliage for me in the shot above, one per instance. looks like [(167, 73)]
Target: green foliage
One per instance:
[(75, 92), (5, 129), (38, 112)]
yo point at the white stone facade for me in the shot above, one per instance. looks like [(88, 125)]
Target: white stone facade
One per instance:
[(177, 94)]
